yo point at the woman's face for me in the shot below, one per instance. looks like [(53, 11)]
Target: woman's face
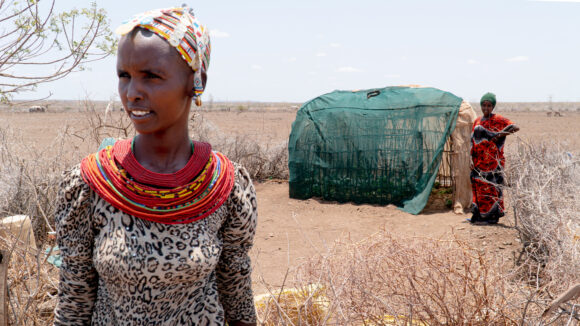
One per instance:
[(154, 83), (486, 108)]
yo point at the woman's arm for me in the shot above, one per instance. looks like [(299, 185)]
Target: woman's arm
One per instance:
[(506, 131), (78, 278), (510, 129), (234, 268)]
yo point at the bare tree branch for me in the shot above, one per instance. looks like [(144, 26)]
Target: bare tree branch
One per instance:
[(39, 45)]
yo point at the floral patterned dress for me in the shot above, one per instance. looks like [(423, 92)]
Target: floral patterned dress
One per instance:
[(487, 177)]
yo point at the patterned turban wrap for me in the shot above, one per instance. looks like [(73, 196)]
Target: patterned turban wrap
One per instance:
[(182, 31), (488, 97)]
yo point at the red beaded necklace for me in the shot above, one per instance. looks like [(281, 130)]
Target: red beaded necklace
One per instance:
[(187, 195)]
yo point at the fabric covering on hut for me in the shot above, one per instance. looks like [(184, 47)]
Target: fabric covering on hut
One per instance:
[(380, 146)]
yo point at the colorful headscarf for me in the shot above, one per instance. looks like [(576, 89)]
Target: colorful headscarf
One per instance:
[(182, 31), (488, 97)]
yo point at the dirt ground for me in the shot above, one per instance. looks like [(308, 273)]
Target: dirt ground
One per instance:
[(291, 231)]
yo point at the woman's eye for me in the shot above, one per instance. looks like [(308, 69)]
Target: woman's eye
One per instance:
[(151, 76), (123, 75)]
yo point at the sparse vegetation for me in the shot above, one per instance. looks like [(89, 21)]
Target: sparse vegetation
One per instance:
[(387, 281), (544, 191), (383, 280)]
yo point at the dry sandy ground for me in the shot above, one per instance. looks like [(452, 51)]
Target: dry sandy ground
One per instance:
[(291, 231)]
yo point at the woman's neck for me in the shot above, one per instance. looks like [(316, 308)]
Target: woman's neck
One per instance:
[(162, 154), (488, 117)]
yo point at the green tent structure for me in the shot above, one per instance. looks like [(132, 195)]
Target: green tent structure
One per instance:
[(378, 146)]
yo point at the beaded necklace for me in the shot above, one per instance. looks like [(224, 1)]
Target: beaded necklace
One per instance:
[(190, 194)]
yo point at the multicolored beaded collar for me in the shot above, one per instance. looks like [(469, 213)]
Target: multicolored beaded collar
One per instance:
[(188, 195)]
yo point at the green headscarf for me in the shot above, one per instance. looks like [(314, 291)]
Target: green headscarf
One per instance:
[(488, 97)]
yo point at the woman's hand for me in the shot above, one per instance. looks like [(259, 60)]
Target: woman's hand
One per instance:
[(510, 130)]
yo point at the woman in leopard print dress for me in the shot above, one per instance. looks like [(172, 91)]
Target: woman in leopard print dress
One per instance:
[(156, 230)]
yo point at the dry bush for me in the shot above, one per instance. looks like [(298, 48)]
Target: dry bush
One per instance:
[(32, 285), (29, 182), (428, 281), (544, 191), (387, 281), (110, 123), (29, 177), (379, 281), (262, 160)]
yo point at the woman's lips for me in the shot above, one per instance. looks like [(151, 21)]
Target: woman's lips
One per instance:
[(140, 114)]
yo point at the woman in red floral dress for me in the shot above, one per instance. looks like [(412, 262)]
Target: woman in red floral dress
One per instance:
[(487, 179)]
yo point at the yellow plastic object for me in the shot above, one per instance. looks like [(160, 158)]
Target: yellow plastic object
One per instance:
[(305, 305), (392, 320)]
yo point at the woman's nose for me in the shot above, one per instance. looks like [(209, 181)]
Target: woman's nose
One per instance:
[(134, 91)]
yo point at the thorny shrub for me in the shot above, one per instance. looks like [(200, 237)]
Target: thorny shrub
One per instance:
[(262, 160), (544, 191), (383, 280)]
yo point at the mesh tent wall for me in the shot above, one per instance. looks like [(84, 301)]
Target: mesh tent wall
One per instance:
[(380, 146)]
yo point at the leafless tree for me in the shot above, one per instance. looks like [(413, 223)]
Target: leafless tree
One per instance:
[(39, 44)]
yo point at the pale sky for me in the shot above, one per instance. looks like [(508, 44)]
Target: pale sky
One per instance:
[(293, 51)]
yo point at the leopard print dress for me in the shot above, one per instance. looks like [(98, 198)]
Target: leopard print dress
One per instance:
[(118, 269)]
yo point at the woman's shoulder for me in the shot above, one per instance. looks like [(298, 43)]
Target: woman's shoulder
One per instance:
[(73, 197), (73, 187), (241, 175), (243, 190), (72, 178), (242, 206), (498, 118)]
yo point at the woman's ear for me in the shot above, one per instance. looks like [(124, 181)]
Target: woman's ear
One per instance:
[(192, 92), (190, 85)]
